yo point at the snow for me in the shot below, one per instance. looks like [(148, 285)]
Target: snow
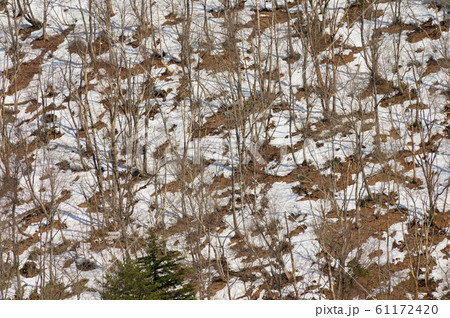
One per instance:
[(172, 125)]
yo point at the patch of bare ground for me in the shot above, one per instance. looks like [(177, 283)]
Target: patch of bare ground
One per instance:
[(216, 63), (153, 62), (78, 47), (21, 77), (429, 30), (17, 103), (186, 177), (93, 203), (413, 238), (381, 86), (249, 254), (359, 278), (273, 281), (25, 244), (34, 106), (26, 32), (8, 115), (429, 146), (145, 66), (55, 290), (407, 288), (393, 134), (361, 9), (57, 225), (214, 125), (220, 13), (386, 175), (336, 124), (266, 19), (180, 226), (397, 28), (434, 66), (30, 240), (29, 270), (248, 274), (51, 43), (172, 19), (340, 59), (417, 106), (369, 277), (63, 247), (49, 110), (217, 284), (38, 214), (313, 182), (446, 93), (318, 39), (100, 241), (142, 32), (269, 152), (100, 45), (298, 230), (43, 137), (282, 106), (24, 74), (446, 251), (316, 185)]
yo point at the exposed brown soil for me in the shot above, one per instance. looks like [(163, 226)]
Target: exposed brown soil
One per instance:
[(266, 19), (397, 28), (356, 11), (38, 110), (314, 183), (214, 125), (25, 244), (221, 13), (319, 41), (371, 224), (43, 137), (24, 74), (93, 203), (172, 19), (26, 32), (384, 87), (57, 225), (434, 66), (22, 77), (30, 269), (417, 106), (100, 46), (51, 43), (63, 247), (216, 63), (9, 115), (428, 30), (122, 72), (78, 47), (36, 215), (386, 175), (342, 59)]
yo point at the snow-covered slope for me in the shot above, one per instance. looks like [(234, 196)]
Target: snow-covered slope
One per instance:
[(289, 149)]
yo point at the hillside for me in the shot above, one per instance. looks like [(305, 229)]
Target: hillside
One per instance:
[(288, 149)]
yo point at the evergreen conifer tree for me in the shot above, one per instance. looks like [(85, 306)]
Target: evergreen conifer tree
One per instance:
[(157, 275)]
